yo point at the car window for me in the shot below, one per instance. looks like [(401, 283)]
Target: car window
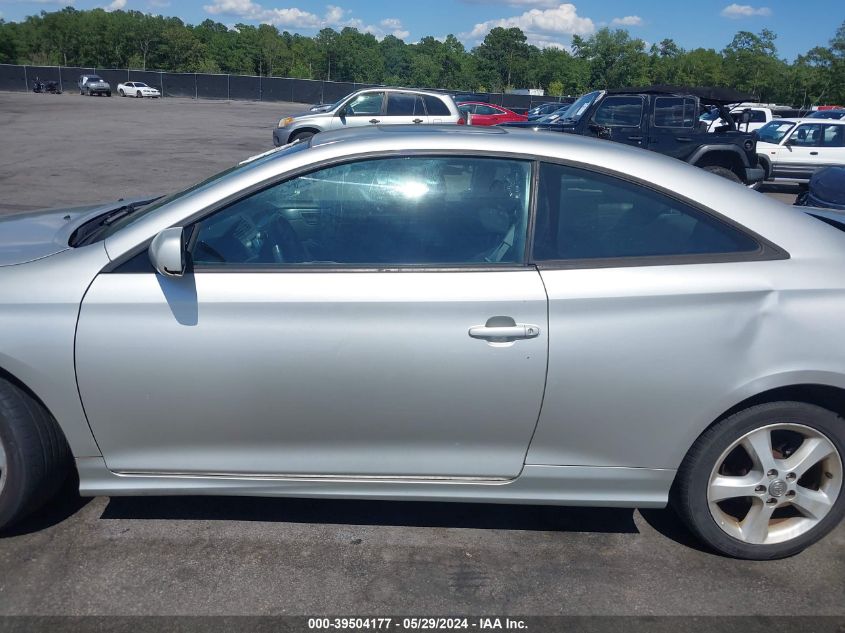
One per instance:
[(384, 212), (585, 215), (620, 111), (467, 108), (486, 109), (806, 135), (399, 104), (674, 112), (366, 104), (436, 107), (774, 131), (833, 135)]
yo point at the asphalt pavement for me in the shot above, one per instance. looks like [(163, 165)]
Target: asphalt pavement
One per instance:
[(206, 556)]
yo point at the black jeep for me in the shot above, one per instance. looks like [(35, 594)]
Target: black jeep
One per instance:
[(665, 119)]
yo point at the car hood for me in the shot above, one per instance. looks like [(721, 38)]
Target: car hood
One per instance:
[(25, 237), (304, 116)]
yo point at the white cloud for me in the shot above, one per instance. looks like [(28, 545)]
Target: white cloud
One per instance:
[(738, 11), (628, 20), (549, 27), (115, 5), (334, 17), (542, 4), (159, 4)]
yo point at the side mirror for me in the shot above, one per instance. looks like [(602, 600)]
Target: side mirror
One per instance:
[(342, 112), (167, 252)]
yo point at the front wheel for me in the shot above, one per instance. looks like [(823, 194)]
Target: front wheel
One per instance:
[(121, 93), (301, 136), (765, 483), (34, 457), (724, 172), (138, 94)]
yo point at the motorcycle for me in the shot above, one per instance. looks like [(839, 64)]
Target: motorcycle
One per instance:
[(51, 87)]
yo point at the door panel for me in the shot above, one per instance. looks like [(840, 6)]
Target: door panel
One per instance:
[(623, 119), (359, 373)]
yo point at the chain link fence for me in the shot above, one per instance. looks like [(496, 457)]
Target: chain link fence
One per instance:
[(220, 86)]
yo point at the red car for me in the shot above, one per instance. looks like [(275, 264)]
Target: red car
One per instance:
[(487, 114)]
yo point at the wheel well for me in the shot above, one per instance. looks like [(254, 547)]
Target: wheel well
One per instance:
[(831, 398), (23, 387), (728, 160), (300, 131)]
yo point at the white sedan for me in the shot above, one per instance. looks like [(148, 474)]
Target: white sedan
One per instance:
[(137, 89)]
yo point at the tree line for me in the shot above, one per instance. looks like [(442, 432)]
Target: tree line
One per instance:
[(607, 59)]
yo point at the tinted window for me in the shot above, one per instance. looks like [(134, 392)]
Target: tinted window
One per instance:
[(398, 211), (674, 112), (365, 104), (774, 131), (584, 215), (436, 107), (833, 136), (486, 109), (399, 104), (806, 135), (620, 111)]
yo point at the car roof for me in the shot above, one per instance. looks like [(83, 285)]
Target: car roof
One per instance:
[(809, 120), (433, 93)]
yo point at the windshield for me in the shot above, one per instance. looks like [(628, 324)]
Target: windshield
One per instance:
[(711, 115), (108, 228), (774, 131), (577, 109)]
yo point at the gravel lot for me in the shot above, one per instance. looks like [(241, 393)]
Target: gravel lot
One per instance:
[(269, 556)]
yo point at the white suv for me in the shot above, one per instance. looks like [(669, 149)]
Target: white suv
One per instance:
[(371, 106), (794, 149)]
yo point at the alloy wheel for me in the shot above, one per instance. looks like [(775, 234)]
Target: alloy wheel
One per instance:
[(775, 483)]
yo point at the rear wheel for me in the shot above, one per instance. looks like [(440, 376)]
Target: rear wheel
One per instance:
[(724, 172), (34, 457), (766, 482)]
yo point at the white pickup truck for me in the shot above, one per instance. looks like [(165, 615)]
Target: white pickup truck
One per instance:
[(759, 116)]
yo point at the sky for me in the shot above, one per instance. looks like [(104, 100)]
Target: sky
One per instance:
[(708, 24)]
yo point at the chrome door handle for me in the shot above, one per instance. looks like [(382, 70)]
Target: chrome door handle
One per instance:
[(504, 333), (374, 121)]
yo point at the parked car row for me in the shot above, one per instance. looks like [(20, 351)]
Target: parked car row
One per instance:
[(657, 119), (95, 85)]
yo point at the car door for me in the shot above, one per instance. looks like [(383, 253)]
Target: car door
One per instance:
[(832, 145), (486, 115), (404, 108), (361, 110), (651, 302), (372, 318), (798, 156), (673, 126), (620, 118)]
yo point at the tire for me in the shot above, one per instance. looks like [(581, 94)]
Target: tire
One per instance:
[(777, 486), (90, 94), (724, 172), (108, 94), (34, 456), (301, 136), (121, 93), (139, 95)]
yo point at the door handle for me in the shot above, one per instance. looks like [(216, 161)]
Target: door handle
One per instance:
[(814, 153), (635, 138), (374, 121), (418, 120), (683, 139), (504, 333)]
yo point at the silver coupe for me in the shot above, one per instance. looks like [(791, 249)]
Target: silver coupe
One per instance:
[(454, 314)]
